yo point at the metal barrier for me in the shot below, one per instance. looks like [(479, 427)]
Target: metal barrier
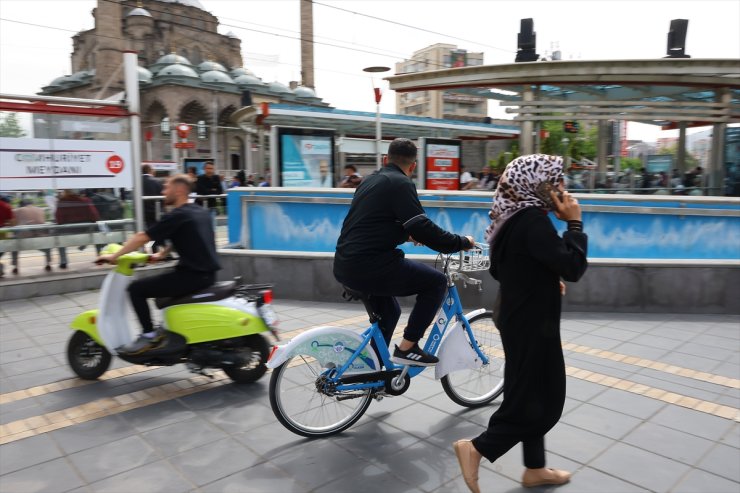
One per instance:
[(45, 236)]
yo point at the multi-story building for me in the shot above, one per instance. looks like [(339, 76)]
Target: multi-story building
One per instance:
[(441, 104)]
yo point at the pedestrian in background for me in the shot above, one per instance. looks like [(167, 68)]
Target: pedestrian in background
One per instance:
[(73, 208), (528, 258), (29, 214)]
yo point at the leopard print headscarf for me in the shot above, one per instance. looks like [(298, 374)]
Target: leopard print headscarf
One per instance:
[(516, 188)]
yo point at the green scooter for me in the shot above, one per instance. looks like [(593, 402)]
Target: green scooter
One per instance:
[(223, 326)]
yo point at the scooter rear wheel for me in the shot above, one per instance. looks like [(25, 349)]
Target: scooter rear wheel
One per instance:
[(87, 358), (255, 352)]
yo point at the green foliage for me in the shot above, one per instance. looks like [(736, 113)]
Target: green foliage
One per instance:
[(9, 125), (633, 163), (691, 160)]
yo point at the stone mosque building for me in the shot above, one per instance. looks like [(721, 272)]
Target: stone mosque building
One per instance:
[(188, 73)]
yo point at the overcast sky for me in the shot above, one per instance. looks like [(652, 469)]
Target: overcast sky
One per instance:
[(31, 56)]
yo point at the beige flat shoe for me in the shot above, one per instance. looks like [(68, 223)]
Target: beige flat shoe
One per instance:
[(544, 476), (469, 459)]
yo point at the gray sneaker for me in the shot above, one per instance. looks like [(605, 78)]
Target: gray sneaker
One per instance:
[(142, 344)]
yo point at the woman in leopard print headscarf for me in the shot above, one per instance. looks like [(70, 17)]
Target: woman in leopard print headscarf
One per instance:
[(516, 188), (528, 258)]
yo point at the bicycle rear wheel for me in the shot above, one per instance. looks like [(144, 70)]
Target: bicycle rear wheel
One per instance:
[(478, 387), (302, 407)]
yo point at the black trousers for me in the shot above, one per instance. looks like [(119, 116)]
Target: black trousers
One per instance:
[(407, 279), (174, 283), (534, 395)]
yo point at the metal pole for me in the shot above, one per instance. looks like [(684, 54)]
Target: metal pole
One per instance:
[(378, 138), (131, 78)]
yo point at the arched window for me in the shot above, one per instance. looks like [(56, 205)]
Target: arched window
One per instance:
[(164, 126), (202, 129)]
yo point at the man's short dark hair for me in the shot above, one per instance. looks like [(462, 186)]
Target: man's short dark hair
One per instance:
[(402, 152), (351, 166), (146, 169)]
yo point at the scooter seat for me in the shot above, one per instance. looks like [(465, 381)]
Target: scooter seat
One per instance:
[(216, 292)]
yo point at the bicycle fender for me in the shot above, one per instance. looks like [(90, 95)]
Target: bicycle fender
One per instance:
[(472, 314), (331, 346)]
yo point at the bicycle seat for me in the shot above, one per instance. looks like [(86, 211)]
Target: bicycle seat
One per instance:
[(216, 292)]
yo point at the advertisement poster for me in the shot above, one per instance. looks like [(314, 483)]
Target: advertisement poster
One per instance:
[(442, 164), (40, 164), (306, 161), (659, 162)]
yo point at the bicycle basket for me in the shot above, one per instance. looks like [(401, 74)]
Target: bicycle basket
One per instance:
[(473, 260)]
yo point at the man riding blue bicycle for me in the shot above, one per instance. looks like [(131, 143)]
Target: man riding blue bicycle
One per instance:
[(386, 212)]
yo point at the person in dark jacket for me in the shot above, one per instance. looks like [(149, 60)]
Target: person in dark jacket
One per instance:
[(529, 259), (190, 229), (384, 213), (73, 208), (209, 184)]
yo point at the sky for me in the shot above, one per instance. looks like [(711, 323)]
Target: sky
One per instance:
[(35, 37)]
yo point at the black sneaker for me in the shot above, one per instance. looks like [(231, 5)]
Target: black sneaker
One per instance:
[(142, 344), (414, 356)]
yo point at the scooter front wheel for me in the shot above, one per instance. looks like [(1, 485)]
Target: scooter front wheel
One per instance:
[(87, 358), (254, 353)]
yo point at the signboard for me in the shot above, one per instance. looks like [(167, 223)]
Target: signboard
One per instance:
[(659, 162), (198, 163), (41, 164), (305, 157), (162, 165), (184, 145), (442, 163)]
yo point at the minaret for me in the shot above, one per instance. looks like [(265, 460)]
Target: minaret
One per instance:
[(109, 49), (307, 43)]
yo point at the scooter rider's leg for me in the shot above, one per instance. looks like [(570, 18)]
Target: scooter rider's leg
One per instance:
[(170, 284)]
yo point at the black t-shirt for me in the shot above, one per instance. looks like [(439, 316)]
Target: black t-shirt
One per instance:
[(385, 211), (190, 228)]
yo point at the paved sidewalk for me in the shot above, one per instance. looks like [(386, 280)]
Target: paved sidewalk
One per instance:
[(652, 406)]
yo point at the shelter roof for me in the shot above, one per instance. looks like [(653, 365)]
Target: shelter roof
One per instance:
[(362, 123)]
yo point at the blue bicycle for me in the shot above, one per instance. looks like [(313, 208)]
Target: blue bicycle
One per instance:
[(323, 380)]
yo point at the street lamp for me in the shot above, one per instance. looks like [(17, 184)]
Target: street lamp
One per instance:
[(378, 96)]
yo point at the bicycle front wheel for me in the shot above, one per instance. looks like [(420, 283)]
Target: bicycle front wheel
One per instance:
[(478, 387), (304, 404)]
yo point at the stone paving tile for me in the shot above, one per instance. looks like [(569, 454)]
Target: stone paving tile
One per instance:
[(722, 461), (261, 478), (113, 458), (703, 482), (605, 422), (180, 437), (693, 422), (628, 462), (589, 480), (670, 443), (29, 452), (213, 461), (625, 402), (53, 476), (155, 477), (576, 444), (91, 434)]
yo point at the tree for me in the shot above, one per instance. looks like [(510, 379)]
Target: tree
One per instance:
[(9, 126)]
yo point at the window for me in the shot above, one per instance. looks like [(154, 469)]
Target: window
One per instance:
[(202, 130), (164, 126)]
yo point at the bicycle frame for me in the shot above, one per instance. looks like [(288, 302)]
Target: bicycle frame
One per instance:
[(451, 308)]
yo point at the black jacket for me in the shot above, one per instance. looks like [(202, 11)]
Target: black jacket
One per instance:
[(384, 212), (528, 260), (208, 185), (151, 187)]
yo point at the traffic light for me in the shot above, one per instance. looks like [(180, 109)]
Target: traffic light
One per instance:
[(570, 127)]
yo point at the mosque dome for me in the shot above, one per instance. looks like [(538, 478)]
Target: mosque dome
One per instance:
[(61, 81), (138, 11), (216, 76), (177, 70), (279, 88), (209, 65), (81, 76), (236, 72), (171, 58), (304, 92), (248, 80), (145, 76)]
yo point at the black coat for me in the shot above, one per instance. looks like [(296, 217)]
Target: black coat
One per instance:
[(528, 259), (151, 187)]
